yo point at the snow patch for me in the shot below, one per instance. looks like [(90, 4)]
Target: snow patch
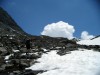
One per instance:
[(80, 62), (8, 56), (95, 41)]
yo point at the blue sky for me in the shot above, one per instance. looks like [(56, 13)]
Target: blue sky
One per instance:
[(34, 15)]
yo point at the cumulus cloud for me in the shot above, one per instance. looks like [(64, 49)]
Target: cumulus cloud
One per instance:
[(85, 35), (59, 29)]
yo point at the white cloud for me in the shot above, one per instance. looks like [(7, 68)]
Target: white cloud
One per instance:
[(85, 35), (59, 29)]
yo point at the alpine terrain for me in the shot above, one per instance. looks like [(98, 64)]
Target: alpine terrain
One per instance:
[(25, 54)]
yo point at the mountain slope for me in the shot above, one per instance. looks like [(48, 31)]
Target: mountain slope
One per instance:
[(95, 41), (8, 25)]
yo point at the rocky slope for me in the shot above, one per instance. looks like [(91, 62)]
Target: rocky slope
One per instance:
[(8, 26)]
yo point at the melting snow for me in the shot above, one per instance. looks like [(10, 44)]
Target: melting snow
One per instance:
[(95, 41), (80, 62), (8, 56), (16, 51)]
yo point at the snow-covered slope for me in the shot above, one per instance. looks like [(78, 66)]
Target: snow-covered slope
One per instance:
[(95, 41), (79, 62)]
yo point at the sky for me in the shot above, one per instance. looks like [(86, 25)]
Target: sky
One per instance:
[(34, 15)]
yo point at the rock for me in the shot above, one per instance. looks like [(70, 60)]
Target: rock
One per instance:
[(63, 52), (1, 44), (8, 25), (0, 52), (1, 69), (16, 72), (4, 73), (2, 49), (32, 72), (2, 60)]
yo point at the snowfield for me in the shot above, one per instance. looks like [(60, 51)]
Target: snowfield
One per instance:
[(95, 41), (79, 62)]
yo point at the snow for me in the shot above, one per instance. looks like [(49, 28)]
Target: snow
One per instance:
[(8, 56), (79, 62), (44, 49), (16, 51), (95, 41)]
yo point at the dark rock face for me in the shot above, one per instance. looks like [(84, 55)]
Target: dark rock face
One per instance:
[(11, 36), (7, 24)]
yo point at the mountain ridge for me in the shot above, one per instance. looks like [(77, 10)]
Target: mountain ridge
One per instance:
[(8, 25)]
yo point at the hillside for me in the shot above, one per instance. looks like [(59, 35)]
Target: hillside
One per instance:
[(8, 26)]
